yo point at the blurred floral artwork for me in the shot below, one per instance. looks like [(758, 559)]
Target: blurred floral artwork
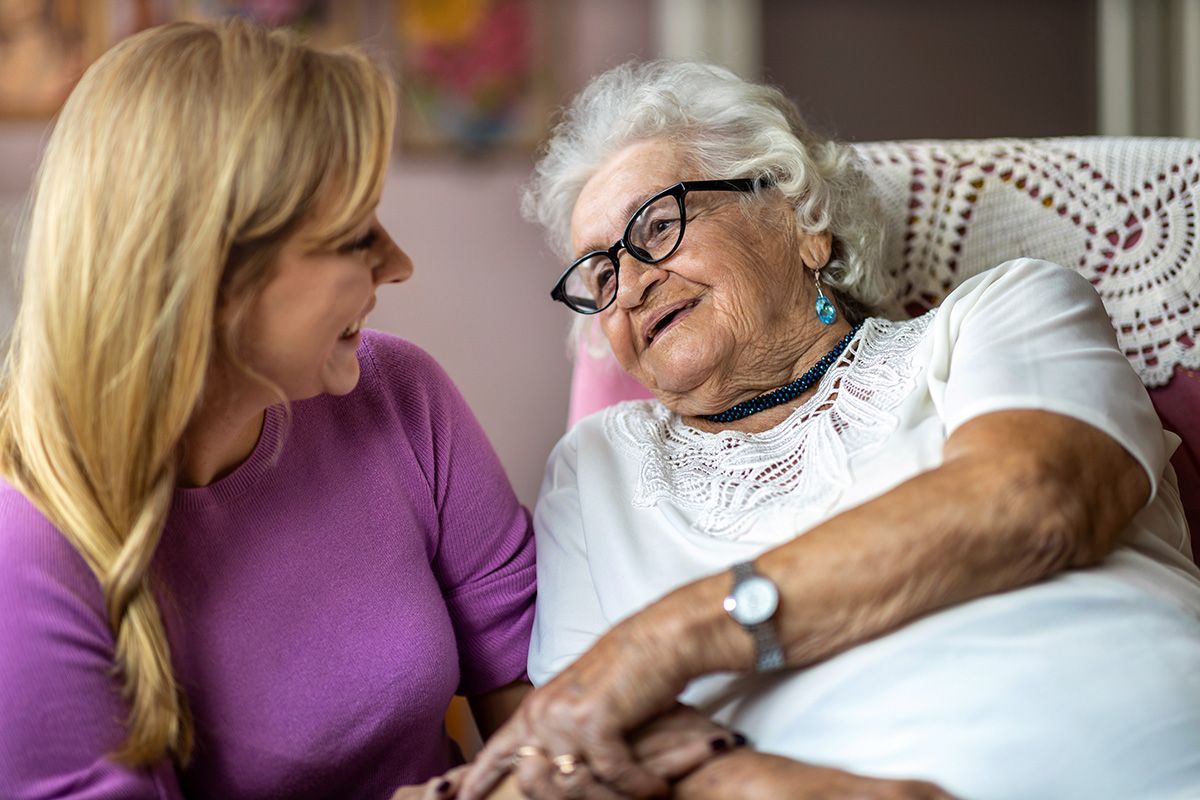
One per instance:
[(472, 74), (45, 45)]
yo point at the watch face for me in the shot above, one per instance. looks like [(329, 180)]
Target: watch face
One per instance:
[(754, 601)]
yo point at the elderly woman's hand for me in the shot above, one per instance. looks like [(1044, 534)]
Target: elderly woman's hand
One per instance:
[(568, 739)]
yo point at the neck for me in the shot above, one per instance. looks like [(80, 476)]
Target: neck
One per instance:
[(222, 434), (811, 346)]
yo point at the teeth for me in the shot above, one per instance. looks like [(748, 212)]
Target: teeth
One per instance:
[(664, 322), (352, 329)]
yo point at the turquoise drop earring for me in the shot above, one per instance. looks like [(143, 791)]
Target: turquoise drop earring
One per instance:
[(826, 312)]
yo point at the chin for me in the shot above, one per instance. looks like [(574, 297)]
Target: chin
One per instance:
[(678, 374), (341, 379), (342, 387)]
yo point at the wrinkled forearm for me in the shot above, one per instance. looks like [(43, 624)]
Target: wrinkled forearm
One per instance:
[(747, 775), (729, 776)]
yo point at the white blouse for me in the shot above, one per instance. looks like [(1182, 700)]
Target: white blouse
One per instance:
[(1085, 685)]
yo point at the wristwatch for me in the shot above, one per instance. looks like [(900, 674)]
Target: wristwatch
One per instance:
[(752, 603)]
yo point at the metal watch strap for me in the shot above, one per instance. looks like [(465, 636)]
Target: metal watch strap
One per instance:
[(768, 655)]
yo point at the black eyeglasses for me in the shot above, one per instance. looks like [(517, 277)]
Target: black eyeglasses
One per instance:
[(654, 232)]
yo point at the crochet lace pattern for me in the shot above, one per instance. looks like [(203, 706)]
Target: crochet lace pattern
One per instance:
[(725, 479), (1120, 211)]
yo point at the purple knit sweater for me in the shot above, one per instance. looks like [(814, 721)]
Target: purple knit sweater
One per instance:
[(323, 602)]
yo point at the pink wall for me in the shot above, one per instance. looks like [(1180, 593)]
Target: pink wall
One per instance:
[(479, 302)]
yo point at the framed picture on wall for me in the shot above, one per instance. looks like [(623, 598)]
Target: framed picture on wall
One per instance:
[(45, 45), (474, 74)]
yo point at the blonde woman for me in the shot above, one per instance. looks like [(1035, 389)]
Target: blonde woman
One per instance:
[(247, 549)]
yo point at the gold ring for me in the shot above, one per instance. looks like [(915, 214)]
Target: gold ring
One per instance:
[(526, 751), (566, 764)]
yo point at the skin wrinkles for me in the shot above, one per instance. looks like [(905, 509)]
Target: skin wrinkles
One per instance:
[(753, 328)]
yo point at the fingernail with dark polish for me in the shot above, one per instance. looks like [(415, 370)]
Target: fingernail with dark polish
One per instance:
[(740, 740), (442, 787), (719, 745)]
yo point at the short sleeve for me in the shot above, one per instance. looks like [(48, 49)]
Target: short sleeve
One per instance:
[(483, 554), (569, 618), (1033, 335), (60, 711)]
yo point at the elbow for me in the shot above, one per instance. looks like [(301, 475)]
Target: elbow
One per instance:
[(1058, 514)]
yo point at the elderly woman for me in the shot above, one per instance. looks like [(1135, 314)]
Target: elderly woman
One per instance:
[(948, 548)]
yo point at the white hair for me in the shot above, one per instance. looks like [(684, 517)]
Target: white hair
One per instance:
[(727, 128)]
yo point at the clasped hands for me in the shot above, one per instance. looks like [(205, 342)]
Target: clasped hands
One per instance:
[(608, 727)]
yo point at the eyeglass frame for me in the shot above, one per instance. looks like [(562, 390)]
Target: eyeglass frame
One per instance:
[(679, 191)]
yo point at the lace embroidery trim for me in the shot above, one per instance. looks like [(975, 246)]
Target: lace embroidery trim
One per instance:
[(1123, 212), (725, 480)]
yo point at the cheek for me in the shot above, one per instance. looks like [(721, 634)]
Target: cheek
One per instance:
[(616, 330), (286, 332), (309, 310), (761, 280)]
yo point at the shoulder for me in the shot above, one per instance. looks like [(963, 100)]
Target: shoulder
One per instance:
[(1025, 305), (399, 362), (30, 542), (41, 575), (27, 538), (624, 427), (407, 379), (603, 439), (1024, 282)]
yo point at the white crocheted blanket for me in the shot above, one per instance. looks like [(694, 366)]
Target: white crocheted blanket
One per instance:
[(1122, 211)]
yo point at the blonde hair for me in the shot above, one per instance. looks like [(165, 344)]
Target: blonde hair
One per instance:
[(180, 163)]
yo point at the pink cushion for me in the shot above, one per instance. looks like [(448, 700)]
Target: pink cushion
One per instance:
[(598, 383), (1178, 406)]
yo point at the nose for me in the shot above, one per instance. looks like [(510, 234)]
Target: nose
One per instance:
[(636, 280), (395, 266)]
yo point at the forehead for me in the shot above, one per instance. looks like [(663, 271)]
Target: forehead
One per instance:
[(618, 187)]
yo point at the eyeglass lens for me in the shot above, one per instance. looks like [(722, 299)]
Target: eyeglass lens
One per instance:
[(653, 234)]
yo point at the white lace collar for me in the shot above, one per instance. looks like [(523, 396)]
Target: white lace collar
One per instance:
[(724, 480)]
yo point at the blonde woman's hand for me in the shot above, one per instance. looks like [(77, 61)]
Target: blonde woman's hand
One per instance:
[(677, 742), (441, 787)]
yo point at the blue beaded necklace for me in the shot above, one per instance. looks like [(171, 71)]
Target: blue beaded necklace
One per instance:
[(784, 394)]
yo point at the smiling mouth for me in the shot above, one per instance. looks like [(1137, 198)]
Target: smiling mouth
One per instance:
[(666, 320), (352, 329)]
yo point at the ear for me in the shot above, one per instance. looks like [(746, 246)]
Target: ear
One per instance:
[(815, 249)]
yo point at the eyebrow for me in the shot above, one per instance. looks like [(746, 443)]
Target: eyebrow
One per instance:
[(626, 213)]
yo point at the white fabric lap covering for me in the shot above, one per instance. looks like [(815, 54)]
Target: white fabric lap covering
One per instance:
[(1086, 685)]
